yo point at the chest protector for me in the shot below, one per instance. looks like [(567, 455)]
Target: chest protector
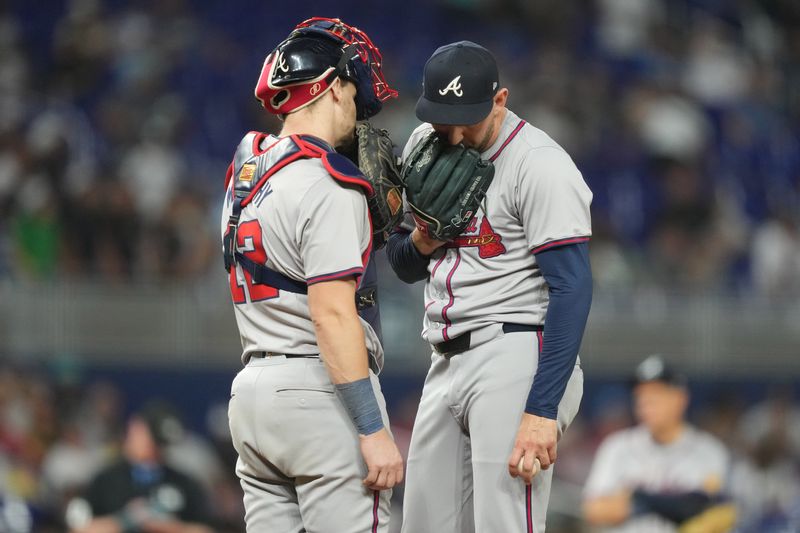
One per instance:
[(258, 157)]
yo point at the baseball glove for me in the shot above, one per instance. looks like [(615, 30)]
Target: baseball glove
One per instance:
[(377, 162), (445, 186)]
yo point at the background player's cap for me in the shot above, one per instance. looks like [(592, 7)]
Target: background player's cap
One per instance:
[(458, 85), (654, 368), (163, 421)]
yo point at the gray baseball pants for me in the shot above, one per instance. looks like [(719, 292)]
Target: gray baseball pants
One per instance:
[(457, 475), (299, 463)]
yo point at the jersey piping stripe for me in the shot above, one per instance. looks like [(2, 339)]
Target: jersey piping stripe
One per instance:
[(376, 496), (508, 140), (452, 296), (528, 491), (433, 274), (436, 266), (528, 506), (355, 271), (559, 242)]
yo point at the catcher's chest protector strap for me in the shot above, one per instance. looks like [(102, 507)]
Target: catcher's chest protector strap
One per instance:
[(252, 166)]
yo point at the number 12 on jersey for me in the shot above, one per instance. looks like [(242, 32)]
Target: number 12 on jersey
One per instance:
[(249, 243)]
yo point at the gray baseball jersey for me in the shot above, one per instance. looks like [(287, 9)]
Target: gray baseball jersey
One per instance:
[(309, 228), (631, 459), (457, 474), (537, 199), (299, 462)]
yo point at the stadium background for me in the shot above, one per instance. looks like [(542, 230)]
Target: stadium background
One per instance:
[(118, 119)]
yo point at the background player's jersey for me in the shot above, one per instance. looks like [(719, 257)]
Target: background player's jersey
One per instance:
[(309, 228), (631, 459), (489, 274)]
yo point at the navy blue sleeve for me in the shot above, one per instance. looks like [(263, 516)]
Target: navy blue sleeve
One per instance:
[(677, 507), (407, 262), (568, 274)]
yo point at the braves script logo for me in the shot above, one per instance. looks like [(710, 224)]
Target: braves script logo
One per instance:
[(454, 86), (488, 242)]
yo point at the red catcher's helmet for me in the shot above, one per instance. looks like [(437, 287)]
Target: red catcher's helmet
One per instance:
[(303, 67)]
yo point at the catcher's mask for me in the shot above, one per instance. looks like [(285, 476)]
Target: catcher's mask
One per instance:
[(302, 68)]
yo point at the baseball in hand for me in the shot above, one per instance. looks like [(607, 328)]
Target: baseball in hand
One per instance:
[(536, 465)]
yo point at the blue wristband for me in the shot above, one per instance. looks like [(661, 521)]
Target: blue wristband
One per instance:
[(362, 406)]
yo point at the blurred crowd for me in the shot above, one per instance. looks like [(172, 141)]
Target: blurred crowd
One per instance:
[(118, 119), (57, 433)]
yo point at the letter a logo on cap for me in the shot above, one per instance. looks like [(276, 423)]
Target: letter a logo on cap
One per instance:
[(454, 86), (282, 66)]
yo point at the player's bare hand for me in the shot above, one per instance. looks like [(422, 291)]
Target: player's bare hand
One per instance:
[(423, 243), (384, 462), (536, 441)]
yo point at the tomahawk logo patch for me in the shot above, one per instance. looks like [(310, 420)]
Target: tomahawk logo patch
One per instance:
[(455, 86), (488, 242)]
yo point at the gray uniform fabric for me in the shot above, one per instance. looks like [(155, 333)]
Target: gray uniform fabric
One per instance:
[(468, 417), (472, 403), (311, 228), (300, 462), (488, 274)]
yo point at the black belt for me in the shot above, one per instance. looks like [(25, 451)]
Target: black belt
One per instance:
[(260, 355), (461, 343)]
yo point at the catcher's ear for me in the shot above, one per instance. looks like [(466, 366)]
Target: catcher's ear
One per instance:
[(340, 88), (337, 89)]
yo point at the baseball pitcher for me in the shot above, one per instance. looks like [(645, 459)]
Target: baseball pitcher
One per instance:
[(498, 229)]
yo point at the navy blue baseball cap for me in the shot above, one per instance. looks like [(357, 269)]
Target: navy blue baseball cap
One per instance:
[(655, 368), (458, 85), (163, 421)]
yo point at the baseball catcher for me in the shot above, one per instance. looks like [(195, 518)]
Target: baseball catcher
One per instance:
[(307, 414)]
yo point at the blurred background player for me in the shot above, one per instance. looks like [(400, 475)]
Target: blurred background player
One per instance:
[(139, 492), (307, 414), (663, 473)]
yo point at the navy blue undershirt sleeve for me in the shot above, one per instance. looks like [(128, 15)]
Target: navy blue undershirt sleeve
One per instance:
[(407, 262), (677, 507), (568, 274)]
